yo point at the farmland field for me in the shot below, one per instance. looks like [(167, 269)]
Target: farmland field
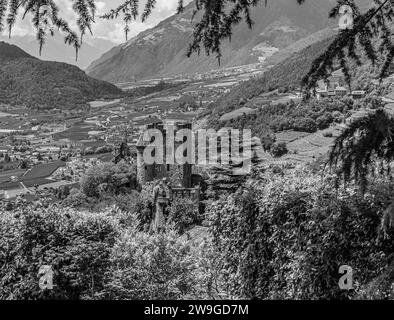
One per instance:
[(237, 113), (78, 132), (289, 136), (99, 104)]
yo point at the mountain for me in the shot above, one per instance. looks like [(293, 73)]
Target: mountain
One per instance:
[(26, 80), (285, 76), (56, 50), (160, 51)]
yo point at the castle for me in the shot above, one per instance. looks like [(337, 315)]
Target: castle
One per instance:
[(179, 175)]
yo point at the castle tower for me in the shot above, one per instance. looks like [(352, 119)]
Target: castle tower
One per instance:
[(147, 173), (141, 175)]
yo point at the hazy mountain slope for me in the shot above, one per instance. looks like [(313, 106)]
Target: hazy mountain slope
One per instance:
[(286, 75), (29, 81), (161, 51), (56, 50)]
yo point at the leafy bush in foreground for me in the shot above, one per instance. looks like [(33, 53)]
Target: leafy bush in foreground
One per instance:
[(76, 245), (183, 213), (286, 237), (99, 256)]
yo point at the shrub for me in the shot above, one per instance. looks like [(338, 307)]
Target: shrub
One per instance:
[(107, 179), (183, 213), (324, 121), (286, 237), (306, 125), (76, 245), (150, 267), (279, 150), (96, 256), (75, 199)]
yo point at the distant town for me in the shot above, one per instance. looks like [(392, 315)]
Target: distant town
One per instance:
[(44, 151)]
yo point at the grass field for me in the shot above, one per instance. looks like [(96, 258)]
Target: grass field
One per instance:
[(42, 171), (237, 113), (78, 132), (6, 176), (289, 136)]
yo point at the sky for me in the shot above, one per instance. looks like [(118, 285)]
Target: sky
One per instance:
[(112, 30)]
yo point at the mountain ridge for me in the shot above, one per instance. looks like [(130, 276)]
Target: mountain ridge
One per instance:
[(161, 51), (26, 80), (56, 50)]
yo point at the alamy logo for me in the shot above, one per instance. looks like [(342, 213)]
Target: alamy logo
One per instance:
[(203, 147), (46, 278), (346, 18), (346, 281)]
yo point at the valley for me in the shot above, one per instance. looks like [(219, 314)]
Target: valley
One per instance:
[(233, 151), (84, 136)]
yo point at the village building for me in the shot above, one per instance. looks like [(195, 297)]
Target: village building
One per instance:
[(358, 94), (341, 91)]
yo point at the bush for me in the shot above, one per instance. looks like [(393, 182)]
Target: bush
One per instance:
[(96, 256), (75, 199), (183, 213), (324, 121), (305, 125), (108, 178), (76, 245), (279, 150), (286, 237), (150, 267)]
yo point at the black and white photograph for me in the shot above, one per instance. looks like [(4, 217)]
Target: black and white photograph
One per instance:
[(214, 151)]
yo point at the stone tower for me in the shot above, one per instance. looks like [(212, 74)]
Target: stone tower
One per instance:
[(140, 165), (147, 173)]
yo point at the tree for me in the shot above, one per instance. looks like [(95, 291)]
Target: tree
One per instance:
[(76, 245), (108, 178), (285, 238), (144, 266), (364, 142), (218, 18), (279, 149), (7, 158), (324, 121), (367, 27), (24, 164), (183, 213), (364, 149)]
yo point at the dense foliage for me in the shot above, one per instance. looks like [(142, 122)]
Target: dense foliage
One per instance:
[(96, 256), (364, 143), (77, 247), (309, 117), (278, 236), (285, 237), (109, 179), (183, 213)]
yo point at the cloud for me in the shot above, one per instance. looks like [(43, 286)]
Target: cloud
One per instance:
[(114, 30), (111, 30)]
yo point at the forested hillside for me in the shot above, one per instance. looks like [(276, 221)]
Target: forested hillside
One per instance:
[(161, 51), (25, 80), (287, 76)]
